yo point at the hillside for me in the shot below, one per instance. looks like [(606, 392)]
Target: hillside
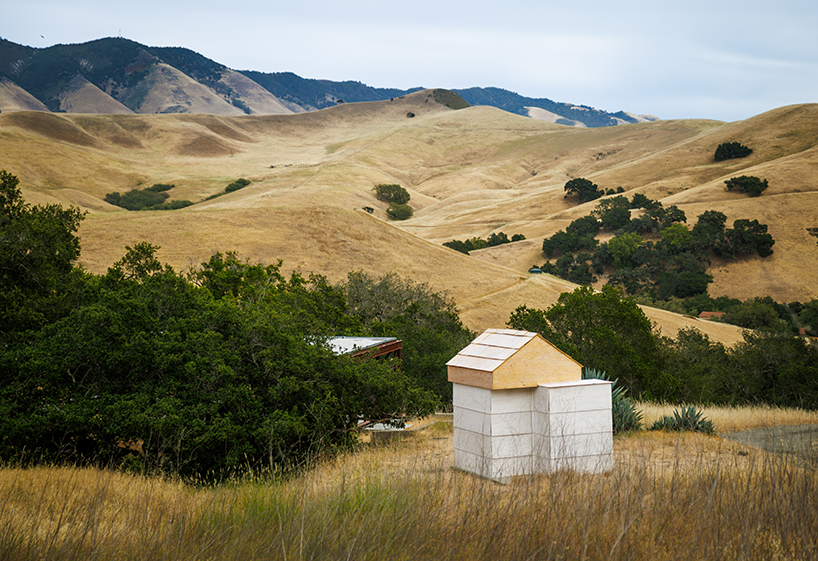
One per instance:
[(470, 172)]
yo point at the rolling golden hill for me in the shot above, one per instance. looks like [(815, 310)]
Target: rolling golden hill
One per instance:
[(470, 172)]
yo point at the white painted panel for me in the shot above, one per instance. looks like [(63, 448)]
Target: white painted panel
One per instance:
[(510, 467), (585, 464), (503, 424), (510, 446), (540, 399), (471, 397), (581, 445), (578, 396), (472, 463), (511, 401), (472, 442), (508, 341), (474, 421), (580, 422), (539, 423), (485, 351), (475, 363)]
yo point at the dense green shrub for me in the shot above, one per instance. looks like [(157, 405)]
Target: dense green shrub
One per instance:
[(427, 322), (391, 193), (584, 189), (731, 150), (749, 184), (214, 372), (399, 211), (240, 183), (150, 198)]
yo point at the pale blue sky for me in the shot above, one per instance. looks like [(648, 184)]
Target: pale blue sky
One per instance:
[(725, 60)]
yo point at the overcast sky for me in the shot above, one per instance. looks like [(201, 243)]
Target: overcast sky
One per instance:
[(713, 59)]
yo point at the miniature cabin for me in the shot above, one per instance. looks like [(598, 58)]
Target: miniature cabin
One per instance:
[(521, 407)]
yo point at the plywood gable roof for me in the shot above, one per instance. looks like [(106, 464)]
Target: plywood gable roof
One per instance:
[(506, 358)]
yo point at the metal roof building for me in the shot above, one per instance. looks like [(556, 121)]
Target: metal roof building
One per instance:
[(377, 347)]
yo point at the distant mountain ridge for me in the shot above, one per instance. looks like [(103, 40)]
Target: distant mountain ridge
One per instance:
[(116, 75)]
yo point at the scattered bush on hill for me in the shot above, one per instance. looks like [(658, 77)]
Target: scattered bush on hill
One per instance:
[(584, 190), (450, 99), (398, 211), (391, 193), (731, 150), (476, 242), (749, 184), (397, 197), (240, 183), (150, 198)]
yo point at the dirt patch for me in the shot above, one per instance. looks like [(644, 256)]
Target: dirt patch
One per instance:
[(800, 440)]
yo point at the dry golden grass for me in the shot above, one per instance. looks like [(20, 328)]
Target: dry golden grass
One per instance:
[(668, 495), (470, 173), (730, 419)]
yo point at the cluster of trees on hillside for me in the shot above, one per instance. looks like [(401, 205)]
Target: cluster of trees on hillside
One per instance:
[(609, 332), (585, 190), (154, 197), (397, 197), (654, 253), (150, 198), (752, 313), (211, 371), (471, 244), (240, 183)]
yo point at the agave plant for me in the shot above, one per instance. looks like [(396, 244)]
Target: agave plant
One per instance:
[(625, 416), (685, 418)]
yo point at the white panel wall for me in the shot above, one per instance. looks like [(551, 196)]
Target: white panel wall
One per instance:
[(574, 426), (502, 433), (492, 431)]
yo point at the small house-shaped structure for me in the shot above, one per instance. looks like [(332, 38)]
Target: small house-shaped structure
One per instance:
[(521, 407)]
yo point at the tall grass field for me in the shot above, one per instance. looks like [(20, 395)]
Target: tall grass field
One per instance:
[(669, 496)]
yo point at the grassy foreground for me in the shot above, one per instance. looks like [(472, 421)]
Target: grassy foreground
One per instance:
[(669, 496)]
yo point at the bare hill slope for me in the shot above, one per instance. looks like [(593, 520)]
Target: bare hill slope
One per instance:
[(470, 172)]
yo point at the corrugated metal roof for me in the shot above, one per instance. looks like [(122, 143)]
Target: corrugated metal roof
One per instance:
[(493, 347), (345, 345)]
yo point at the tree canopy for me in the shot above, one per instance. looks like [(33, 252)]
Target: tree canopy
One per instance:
[(749, 184), (205, 373), (391, 193), (602, 330), (584, 189), (731, 150)]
